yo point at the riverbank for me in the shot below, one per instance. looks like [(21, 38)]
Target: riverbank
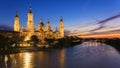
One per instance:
[(11, 46), (114, 43), (34, 49)]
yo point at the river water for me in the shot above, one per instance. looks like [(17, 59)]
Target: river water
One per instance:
[(85, 55)]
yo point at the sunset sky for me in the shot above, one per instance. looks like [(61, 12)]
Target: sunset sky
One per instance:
[(86, 18)]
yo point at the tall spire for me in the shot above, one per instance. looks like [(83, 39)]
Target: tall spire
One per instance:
[(30, 22), (48, 20), (61, 28), (16, 14), (41, 20), (48, 25), (61, 18), (16, 22), (30, 9)]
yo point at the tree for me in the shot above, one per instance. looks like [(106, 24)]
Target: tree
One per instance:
[(49, 41), (34, 39), (6, 43), (61, 41), (17, 40), (22, 38)]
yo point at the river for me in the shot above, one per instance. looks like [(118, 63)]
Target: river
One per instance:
[(85, 55)]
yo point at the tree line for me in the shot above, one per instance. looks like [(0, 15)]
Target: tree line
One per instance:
[(9, 43)]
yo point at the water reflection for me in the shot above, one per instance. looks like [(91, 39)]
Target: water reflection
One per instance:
[(86, 55), (27, 60), (62, 58), (6, 60)]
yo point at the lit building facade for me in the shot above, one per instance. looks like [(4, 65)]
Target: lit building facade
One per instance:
[(41, 32)]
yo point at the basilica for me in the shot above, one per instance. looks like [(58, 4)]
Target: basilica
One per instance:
[(42, 31)]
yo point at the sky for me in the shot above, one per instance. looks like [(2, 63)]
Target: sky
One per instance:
[(81, 17)]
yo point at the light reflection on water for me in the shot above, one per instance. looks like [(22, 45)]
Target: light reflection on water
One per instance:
[(27, 60), (86, 55)]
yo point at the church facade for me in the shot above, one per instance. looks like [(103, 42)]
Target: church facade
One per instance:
[(41, 31)]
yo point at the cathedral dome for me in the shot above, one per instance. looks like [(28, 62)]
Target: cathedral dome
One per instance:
[(41, 24)]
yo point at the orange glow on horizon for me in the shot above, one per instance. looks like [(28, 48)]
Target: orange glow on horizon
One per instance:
[(117, 35)]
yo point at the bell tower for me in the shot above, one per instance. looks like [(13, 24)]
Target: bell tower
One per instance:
[(48, 26), (61, 28), (30, 22), (41, 25), (16, 23)]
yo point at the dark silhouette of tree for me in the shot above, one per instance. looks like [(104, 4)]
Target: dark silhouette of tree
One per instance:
[(17, 40), (61, 41), (68, 41), (49, 40), (21, 38), (34, 39), (6, 43)]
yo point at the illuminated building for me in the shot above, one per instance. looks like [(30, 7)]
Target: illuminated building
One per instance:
[(41, 32)]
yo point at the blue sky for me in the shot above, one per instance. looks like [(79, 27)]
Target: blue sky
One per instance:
[(75, 13)]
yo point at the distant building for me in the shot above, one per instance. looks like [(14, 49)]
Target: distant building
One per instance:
[(41, 32)]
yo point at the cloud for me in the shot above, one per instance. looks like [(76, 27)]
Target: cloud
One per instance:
[(103, 22), (67, 32), (6, 27), (109, 25), (108, 19)]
